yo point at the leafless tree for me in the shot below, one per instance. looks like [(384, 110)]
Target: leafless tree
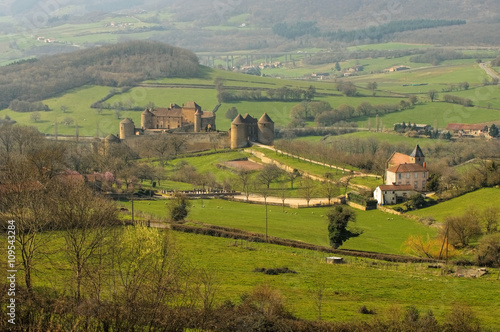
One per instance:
[(26, 200), (269, 174), (245, 181), (307, 189), (84, 218)]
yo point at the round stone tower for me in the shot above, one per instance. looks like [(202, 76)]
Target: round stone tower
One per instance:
[(239, 133), (147, 119), (197, 121), (266, 130), (110, 139), (127, 128)]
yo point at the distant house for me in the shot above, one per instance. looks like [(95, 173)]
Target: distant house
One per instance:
[(465, 129), (392, 194), (404, 175), (397, 68), (320, 76)]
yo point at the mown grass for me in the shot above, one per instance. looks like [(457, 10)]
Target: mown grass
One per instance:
[(306, 166), (479, 200), (381, 232), (378, 285), (436, 112)]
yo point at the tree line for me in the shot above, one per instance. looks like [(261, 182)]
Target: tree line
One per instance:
[(279, 94), (324, 115), (372, 33), (123, 64)]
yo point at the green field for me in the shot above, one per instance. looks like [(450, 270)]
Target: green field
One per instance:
[(479, 200), (177, 90), (382, 232), (378, 285)]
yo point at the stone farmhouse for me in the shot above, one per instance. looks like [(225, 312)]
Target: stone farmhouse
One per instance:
[(404, 175), (465, 129)]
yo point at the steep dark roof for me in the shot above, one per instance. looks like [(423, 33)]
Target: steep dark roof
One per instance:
[(111, 138), (265, 119), (238, 120), (147, 112), (417, 152), (126, 120)]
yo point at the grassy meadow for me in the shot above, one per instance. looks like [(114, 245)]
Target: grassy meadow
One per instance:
[(383, 287), (381, 232), (202, 90), (479, 200)]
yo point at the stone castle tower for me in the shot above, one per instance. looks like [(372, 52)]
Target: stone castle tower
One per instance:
[(127, 128), (245, 129)]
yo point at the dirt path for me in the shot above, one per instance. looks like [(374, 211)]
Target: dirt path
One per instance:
[(290, 202), (489, 71), (268, 160)]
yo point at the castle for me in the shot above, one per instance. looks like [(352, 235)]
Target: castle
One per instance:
[(188, 118), (245, 129)]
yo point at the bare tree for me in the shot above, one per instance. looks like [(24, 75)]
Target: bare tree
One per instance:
[(307, 189), (292, 176), (490, 217), (329, 188), (84, 219), (245, 181), (269, 174), (161, 147), (26, 201), (462, 228)]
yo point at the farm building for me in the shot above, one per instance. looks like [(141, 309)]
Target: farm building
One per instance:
[(465, 129), (392, 194)]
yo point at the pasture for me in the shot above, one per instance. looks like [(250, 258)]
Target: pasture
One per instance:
[(381, 232), (478, 200), (383, 287)]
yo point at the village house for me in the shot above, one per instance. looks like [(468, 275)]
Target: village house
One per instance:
[(404, 175), (397, 68), (390, 194)]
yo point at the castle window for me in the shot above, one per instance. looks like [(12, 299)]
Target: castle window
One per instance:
[(416, 175)]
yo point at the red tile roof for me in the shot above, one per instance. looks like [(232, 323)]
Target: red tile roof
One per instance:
[(405, 168), (388, 187), (399, 158), (464, 126)]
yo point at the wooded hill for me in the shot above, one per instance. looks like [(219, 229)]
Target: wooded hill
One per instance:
[(117, 65)]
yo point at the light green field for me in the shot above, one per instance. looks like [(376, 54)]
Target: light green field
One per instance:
[(436, 112), (378, 285), (382, 232), (390, 137), (479, 200), (388, 46)]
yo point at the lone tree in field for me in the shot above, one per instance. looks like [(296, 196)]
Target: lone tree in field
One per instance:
[(338, 219), (433, 94), (178, 207)]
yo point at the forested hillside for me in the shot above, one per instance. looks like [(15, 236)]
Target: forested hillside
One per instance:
[(117, 65)]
